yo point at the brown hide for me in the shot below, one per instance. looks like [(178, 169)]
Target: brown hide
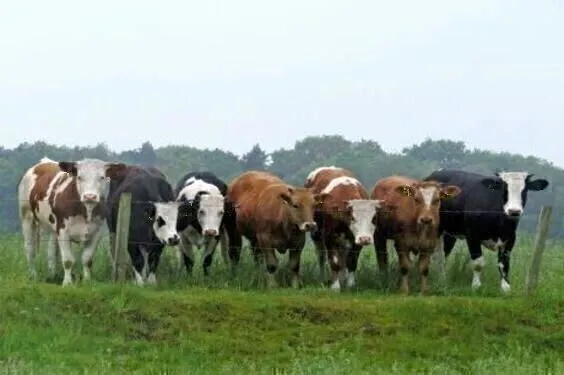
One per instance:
[(323, 177)]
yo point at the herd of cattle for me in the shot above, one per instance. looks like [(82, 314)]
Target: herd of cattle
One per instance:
[(74, 199)]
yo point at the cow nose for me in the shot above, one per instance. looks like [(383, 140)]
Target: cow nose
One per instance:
[(90, 197), (309, 226), (514, 212), (174, 240), (363, 240), (210, 232), (426, 220)]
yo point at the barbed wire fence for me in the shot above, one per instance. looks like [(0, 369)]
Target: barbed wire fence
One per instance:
[(120, 262)]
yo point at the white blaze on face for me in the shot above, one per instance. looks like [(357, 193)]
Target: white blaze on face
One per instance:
[(210, 212), (362, 224), (515, 185), (164, 224), (428, 193), (91, 180)]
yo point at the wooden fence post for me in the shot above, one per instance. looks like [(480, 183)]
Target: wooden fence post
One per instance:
[(121, 238), (543, 226)]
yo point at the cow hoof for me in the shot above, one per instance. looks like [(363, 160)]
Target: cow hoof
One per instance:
[(505, 287), (152, 279), (336, 286)]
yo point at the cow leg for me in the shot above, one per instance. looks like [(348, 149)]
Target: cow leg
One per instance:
[(137, 263), (380, 247), (336, 263), (67, 257), (224, 244), (153, 262), (321, 251), (294, 265), (30, 229), (352, 264), (475, 249), (424, 260), (268, 250), (438, 257), (405, 268), (503, 260), (52, 255), (186, 251), (235, 241), (448, 244), (209, 250), (88, 254)]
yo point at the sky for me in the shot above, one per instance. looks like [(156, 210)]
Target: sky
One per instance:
[(230, 74)]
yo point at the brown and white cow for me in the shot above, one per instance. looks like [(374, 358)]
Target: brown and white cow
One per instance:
[(410, 217), (345, 219), (275, 217), (68, 198)]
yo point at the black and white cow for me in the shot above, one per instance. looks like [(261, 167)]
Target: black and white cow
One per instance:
[(154, 216), (486, 212), (205, 218)]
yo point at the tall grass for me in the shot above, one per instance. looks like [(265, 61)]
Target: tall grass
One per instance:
[(228, 324)]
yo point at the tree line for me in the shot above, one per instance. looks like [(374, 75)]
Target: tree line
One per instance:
[(365, 158)]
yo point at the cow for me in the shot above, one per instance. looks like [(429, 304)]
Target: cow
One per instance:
[(68, 198), (487, 213), (247, 184), (345, 217), (118, 179), (154, 217), (410, 217), (275, 217), (205, 218)]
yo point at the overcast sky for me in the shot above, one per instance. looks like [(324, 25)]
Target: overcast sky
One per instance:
[(231, 73)]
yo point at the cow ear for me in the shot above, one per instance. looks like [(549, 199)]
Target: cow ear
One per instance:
[(492, 183), (68, 166), (537, 185), (115, 170), (405, 190), (286, 197), (450, 191)]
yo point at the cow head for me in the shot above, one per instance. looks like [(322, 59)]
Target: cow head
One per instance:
[(301, 203), (359, 214), (91, 176), (210, 209), (427, 196), (514, 186), (163, 217)]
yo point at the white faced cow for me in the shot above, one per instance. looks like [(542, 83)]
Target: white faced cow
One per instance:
[(346, 221), (68, 198), (204, 216), (487, 213)]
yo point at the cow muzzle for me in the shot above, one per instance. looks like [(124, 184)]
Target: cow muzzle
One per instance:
[(363, 240), (514, 212), (426, 220), (308, 226), (90, 198), (173, 241), (210, 232)]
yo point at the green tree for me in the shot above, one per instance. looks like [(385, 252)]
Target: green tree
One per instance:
[(254, 159)]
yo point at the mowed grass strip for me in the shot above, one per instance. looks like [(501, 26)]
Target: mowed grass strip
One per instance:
[(203, 328)]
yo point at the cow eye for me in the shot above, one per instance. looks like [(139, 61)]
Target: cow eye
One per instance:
[(160, 221), (201, 213), (220, 213)]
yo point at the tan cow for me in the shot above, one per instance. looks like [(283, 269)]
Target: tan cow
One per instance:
[(345, 219), (68, 198), (274, 217), (411, 219)]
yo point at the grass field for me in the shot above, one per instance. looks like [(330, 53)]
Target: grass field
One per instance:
[(230, 325)]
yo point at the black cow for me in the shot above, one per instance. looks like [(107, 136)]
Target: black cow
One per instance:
[(205, 218), (486, 212), (154, 216)]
